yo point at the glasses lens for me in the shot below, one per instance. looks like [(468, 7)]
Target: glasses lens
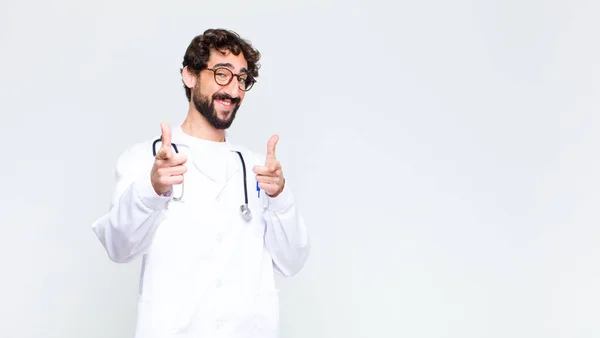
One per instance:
[(223, 76), (248, 83), (242, 81)]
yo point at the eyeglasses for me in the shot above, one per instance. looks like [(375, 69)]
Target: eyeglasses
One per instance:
[(224, 76)]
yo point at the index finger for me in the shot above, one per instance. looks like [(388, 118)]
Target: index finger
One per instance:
[(271, 146), (166, 135)]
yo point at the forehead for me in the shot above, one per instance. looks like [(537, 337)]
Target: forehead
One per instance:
[(227, 59)]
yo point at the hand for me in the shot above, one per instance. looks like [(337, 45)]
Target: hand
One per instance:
[(270, 176), (168, 168)]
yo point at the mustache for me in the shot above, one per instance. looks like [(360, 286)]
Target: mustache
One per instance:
[(224, 96)]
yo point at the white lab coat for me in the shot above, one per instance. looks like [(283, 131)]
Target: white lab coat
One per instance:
[(205, 271)]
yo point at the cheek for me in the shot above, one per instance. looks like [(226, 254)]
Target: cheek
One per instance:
[(206, 92), (208, 87)]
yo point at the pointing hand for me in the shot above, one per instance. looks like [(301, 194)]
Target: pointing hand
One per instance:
[(270, 176), (169, 167)]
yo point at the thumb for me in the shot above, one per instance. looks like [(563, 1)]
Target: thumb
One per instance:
[(271, 147)]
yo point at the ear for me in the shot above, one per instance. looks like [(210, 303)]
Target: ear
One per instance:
[(188, 77)]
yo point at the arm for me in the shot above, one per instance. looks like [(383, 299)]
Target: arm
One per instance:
[(126, 230), (286, 236)]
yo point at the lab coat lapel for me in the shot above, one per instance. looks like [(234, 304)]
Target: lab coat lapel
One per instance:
[(203, 165), (234, 164), (234, 167)]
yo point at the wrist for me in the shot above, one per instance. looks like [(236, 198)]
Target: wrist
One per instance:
[(162, 192), (279, 191), (280, 202), (149, 196)]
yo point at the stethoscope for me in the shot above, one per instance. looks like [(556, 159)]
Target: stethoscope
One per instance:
[(244, 209)]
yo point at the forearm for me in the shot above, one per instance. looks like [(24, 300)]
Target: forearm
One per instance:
[(127, 229), (286, 236)]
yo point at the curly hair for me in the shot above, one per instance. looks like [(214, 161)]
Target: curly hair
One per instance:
[(198, 52)]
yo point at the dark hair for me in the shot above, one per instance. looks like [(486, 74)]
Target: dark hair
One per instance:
[(197, 53)]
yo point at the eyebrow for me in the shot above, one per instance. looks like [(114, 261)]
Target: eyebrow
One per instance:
[(229, 65)]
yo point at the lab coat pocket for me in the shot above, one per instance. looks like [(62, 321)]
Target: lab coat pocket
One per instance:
[(160, 317), (262, 321), (257, 224)]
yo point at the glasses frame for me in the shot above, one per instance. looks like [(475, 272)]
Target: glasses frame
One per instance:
[(249, 79)]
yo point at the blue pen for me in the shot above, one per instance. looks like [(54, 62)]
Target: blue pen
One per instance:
[(258, 189)]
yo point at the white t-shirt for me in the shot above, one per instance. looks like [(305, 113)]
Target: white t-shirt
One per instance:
[(216, 155)]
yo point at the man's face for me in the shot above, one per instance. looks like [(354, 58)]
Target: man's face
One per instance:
[(219, 103)]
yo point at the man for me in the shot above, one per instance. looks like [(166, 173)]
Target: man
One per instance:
[(207, 268)]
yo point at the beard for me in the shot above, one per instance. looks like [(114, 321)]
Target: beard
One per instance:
[(206, 108)]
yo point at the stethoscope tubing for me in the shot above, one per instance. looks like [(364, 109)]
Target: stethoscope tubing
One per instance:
[(245, 211)]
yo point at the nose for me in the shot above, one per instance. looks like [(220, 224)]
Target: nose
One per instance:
[(233, 88)]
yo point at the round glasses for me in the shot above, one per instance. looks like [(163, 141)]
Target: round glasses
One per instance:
[(224, 76)]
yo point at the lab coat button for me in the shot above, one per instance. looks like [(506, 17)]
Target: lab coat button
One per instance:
[(219, 238), (219, 283)]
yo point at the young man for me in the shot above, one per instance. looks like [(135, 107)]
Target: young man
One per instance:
[(212, 220)]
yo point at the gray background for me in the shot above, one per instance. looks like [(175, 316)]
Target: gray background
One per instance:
[(444, 153)]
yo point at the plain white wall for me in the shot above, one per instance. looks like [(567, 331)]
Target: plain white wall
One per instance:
[(444, 153)]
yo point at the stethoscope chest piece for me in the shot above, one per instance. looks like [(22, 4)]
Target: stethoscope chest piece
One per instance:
[(245, 211)]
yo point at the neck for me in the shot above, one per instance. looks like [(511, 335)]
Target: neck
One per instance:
[(197, 126)]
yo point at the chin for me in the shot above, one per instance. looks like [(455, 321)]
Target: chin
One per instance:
[(225, 115)]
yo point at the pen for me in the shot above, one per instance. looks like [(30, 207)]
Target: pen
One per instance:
[(258, 189)]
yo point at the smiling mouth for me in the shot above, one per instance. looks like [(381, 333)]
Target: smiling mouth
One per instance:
[(226, 103)]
